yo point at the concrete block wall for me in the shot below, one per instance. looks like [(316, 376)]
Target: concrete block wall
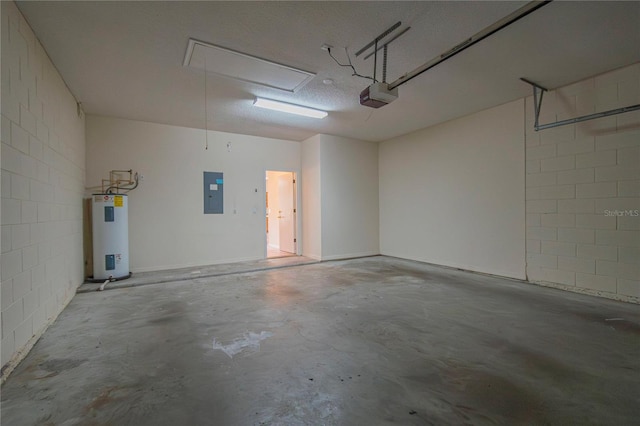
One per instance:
[(43, 162), (583, 188)]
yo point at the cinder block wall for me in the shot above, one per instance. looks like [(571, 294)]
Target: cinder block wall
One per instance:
[(43, 161), (583, 188)]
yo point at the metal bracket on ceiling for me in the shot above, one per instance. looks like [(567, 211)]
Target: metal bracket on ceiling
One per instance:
[(538, 92), (377, 39), (376, 47)]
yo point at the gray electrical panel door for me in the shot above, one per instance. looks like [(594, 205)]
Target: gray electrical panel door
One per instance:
[(213, 193)]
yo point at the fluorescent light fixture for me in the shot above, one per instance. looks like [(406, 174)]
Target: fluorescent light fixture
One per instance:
[(290, 108)]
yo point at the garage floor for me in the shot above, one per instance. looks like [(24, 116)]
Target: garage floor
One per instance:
[(370, 341)]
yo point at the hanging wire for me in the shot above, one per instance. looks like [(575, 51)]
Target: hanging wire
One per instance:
[(370, 114), (206, 116), (349, 65)]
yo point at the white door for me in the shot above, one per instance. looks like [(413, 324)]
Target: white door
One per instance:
[(286, 213)]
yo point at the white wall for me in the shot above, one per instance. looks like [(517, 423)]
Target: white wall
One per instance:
[(452, 194), (167, 227), (311, 199), (340, 197), (43, 152), (583, 188), (349, 184)]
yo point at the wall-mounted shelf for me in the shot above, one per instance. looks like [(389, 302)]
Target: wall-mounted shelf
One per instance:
[(538, 93)]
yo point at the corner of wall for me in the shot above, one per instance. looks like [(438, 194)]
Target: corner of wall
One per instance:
[(43, 175), (311, 198), (350, 197)]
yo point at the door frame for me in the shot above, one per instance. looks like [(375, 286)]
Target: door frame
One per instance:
[(297, 195)]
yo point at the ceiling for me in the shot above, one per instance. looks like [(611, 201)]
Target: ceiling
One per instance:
[(125, 59)]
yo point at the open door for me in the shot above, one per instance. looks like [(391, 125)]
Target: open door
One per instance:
[(281, 214), (286, 213)]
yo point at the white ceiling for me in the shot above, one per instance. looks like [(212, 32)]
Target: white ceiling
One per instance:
[(124, 59)]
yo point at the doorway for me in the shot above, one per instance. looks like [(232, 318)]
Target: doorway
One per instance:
[(281, 214)]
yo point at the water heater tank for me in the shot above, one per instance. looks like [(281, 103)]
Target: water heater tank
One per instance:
[(110, 236)]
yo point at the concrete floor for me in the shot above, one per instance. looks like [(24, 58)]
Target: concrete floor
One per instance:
[(370, 341)]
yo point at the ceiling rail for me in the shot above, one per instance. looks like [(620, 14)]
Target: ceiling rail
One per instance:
[(495, 27), (538, 93)]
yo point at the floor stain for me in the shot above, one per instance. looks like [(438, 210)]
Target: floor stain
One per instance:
[(170, 312), (623, 325), (615, 322), (103, 399), (545, 365), (59, 365), (106, 397), (538, 363), (279, 294), (479, 393), (341, 282)]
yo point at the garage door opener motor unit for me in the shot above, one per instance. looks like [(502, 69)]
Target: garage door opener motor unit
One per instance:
[(378, 95)]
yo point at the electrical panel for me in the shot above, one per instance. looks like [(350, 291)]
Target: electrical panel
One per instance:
[(213, 193)]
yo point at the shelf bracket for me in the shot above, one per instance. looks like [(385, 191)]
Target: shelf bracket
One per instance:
[(538, 92)]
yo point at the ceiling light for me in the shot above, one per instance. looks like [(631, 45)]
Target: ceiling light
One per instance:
[(290, 108)]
